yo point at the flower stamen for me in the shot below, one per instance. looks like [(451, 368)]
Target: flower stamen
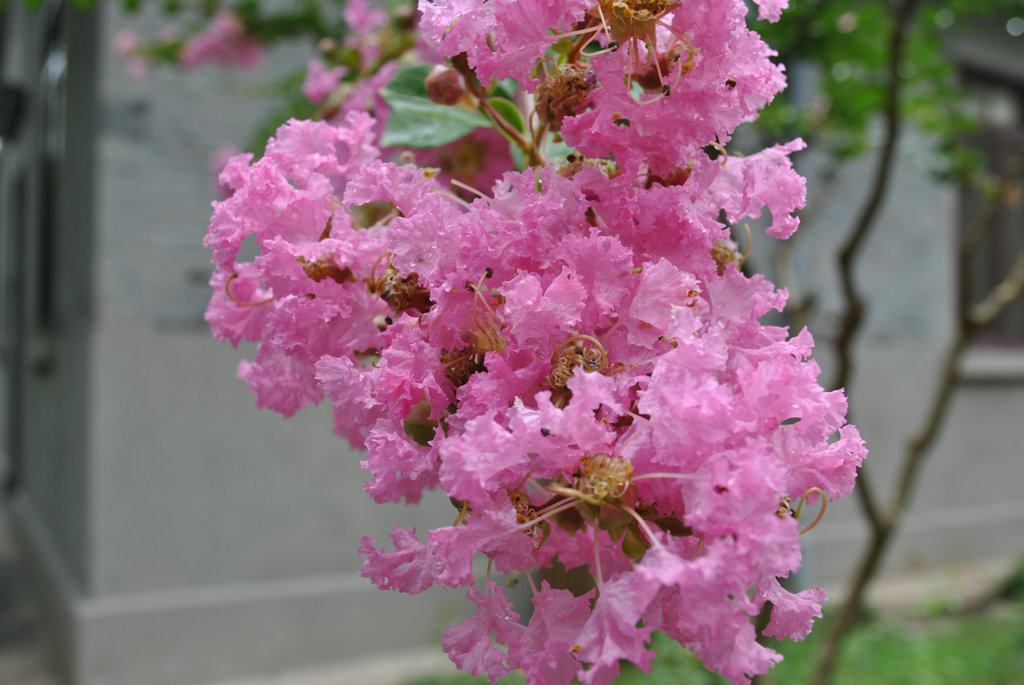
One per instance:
[(241, 303), (821, 512), (463, 513), (643, 524)]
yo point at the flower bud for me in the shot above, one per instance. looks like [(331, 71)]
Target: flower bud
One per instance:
[(327, 45), (444, 85)]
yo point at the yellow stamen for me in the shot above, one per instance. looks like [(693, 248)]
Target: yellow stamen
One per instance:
[(227, 291), (821, 512)]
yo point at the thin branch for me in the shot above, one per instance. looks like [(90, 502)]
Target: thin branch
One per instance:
[(917, 447), (976, 233), (866, 220), (984, 313), (529, 151), (970, 322), (881, 525), (869, 211), (869, 500)]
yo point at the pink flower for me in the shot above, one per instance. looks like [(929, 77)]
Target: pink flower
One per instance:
[(410, 568), (364, 21), (502, 39), (127, 46), (224, 41), (792, 613), (717, 75), (227, 320), (229, 169), (765, 179), (573, 356), (320, 81), (611, 633), (546, 648), (770, 9), (126, 42), (469, 643)]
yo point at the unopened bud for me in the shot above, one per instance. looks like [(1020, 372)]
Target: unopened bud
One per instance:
[(404, 17), (444, 85), (327, 45)]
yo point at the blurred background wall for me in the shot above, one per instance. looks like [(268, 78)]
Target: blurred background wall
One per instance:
[(176, 534)]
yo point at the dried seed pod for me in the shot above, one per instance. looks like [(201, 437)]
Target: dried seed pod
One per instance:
[(400, 292), (564, 93), (459, 365), (579, 350), (326, 268)]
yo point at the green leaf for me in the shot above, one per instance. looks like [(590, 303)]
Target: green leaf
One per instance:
[(506, 88), (511, 113), (417, 122)]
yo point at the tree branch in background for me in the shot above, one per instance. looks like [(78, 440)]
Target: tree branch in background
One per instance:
[(989, 309), (866, 220), (970, 321), (850, 326)]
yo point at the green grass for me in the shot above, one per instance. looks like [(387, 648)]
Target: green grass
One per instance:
[(971, 650)]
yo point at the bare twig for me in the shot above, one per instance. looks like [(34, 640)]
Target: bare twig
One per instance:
[(865, 222), (487, 109), (987, 216), (916, 451), (970, 322), (855, 306), (854, 314), (988, 310)]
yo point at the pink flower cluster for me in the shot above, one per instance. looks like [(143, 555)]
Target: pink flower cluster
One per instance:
[(365, 24), (127, 47), (575, 357), (224, 42)]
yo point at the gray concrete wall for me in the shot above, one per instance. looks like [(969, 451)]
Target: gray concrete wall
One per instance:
[(50, 301), (178, 534)]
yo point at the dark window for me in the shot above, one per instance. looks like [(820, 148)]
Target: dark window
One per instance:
[(998, 103)]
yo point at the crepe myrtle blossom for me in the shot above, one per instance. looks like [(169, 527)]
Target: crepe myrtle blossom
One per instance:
[(572, 355), (128, 47), (670, 76), (320, 81), (223, 42)]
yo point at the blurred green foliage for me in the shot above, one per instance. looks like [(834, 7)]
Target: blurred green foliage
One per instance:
[(840, 48), (843, 47)]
